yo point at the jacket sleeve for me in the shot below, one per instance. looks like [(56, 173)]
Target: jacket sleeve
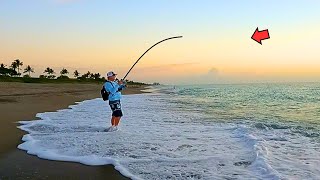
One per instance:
[(111, 89), (121, 87)]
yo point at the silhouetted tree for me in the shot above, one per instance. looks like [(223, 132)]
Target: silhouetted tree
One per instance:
[(18, 63), (91, 76), (5, 71), (64, 72), (76, 74), (28, 70), (97, 76), (86, 75), (14, 66), (50, 73)]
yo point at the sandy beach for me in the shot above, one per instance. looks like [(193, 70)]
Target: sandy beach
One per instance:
[(21, 102)]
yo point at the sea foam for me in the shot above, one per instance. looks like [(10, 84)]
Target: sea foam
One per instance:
[(156, 140)]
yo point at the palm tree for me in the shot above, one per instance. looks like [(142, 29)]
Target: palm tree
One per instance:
[(18, 63), (97, 76), (91, 76), (4, 70), (86, 75), (14, 65), (13, 69), (28, 70), (76, 74), (64, 71), (49, 71)]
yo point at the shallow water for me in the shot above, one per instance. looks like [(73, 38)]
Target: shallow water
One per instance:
[(261, 131)]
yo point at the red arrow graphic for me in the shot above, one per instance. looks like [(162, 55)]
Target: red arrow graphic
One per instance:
[(260, 35)]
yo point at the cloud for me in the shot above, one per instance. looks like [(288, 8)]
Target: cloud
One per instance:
[(213, 71)]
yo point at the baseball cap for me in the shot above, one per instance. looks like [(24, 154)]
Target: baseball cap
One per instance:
[(111, 73)]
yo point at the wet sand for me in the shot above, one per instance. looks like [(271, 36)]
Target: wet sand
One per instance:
[(21, 102)]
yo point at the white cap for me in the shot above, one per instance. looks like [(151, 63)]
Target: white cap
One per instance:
[(111, 73)]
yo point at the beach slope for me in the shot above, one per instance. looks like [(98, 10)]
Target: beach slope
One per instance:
[(21, 102)]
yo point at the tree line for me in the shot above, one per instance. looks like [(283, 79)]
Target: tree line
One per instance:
[(14, 70)]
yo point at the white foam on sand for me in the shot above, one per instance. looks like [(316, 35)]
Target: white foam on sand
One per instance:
[(156, 140)]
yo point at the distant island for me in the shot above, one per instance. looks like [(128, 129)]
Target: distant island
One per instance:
[(13, 73)]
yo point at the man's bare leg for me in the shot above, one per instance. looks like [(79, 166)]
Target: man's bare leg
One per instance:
[(113, 120), (117, 120)]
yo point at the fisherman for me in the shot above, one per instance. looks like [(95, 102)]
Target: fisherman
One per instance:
[(113, 86)]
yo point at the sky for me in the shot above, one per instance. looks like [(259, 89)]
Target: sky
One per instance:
[(103, 35)]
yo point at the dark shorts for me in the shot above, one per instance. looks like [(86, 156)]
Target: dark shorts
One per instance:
[(116, 108)]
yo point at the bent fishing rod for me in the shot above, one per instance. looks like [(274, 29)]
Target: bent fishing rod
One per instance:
[(146, 52)]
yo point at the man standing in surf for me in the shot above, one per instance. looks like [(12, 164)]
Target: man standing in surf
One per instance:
[(114, 87)]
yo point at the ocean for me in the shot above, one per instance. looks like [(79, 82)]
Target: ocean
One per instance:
[(243, 131)]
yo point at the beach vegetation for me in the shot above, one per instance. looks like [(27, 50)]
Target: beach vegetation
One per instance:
[(63, 74), (18, 64), (12, 74), (50, 73), (28, 70), (4, 71), (76, 74)]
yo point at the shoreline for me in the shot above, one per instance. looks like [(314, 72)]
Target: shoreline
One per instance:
[(21, 102)]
